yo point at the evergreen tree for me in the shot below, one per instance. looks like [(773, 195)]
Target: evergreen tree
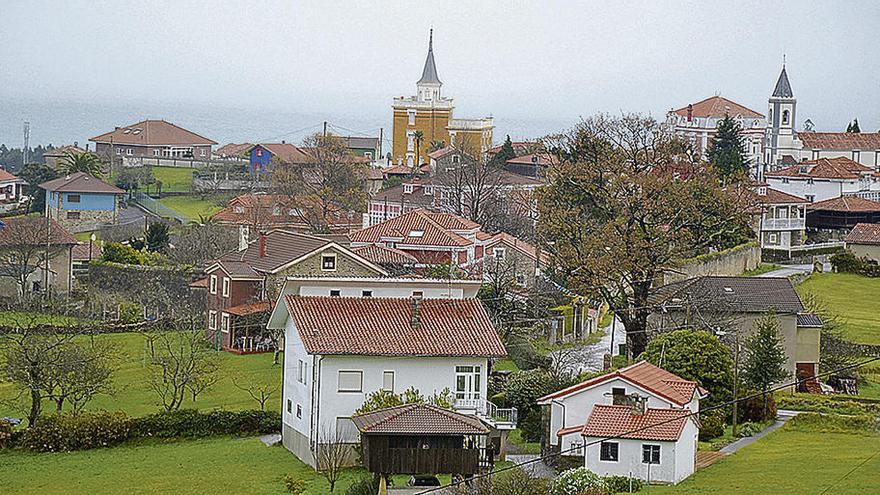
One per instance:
[(765, 359), (35, 174), (506, 152), (854, 126), (726, 151)]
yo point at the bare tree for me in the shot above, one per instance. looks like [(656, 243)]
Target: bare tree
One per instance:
[(469, 185), (199, 243), (257, 388), (28, 244), (333, 455), (84, 370), (181, 362)]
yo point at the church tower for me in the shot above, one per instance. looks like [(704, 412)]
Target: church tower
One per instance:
[(781, 134)]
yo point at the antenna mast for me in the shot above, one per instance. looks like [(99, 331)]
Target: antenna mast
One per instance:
[(27, 143)]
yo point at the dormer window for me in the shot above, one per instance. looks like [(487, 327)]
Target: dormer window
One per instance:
[(429, 190), (407, 188), (416, 233), (238, 209)]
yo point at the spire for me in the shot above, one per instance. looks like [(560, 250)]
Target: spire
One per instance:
[(783, 88), (429, 73)]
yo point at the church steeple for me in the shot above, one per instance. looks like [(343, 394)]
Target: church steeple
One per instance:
[(783, 87), (429, 72)]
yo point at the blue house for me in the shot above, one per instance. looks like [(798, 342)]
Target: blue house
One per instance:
[(262, 154), (81, 202)]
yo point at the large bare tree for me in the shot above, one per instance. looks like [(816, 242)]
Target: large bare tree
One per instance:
[(182, 363), (469, 184), (28, 244)]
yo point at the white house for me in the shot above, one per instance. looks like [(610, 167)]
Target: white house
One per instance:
[(346, 338), (635, 410), (781, 218), (826, 178)]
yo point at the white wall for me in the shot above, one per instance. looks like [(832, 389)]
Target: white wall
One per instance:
[(820, 189), (296, 392), (630, 459)]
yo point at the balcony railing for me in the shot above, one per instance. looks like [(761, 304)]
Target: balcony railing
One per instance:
[(488, 411), (783, 223)]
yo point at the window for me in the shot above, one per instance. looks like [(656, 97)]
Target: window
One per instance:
[(608, 451), (259, 151), (225, 286), (855, 155), (128, 152), (328, 262), (407, 188), (238, 209), (410, 142), (577, 448), (155, 152), (368, 155), (467, 383), (499, 253), (118, 151), (650, 454), (212, 320), (411, 117), (388, 381), (301, 366), (785, 180), (73, 198), (429, 190), (366, 293), (73, 215), (416, 233), (520, 279), (618, 396), (212, 286), (335, 293), (202, 152), (811, 198), (785, 117), (418, 293), (772, 238), (289, 405), (350, 381), (810, 180), (224, 323), (299, 411), (346, 431)]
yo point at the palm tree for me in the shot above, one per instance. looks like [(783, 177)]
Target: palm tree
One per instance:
[(82, 162), (418, 136), (435, 145)]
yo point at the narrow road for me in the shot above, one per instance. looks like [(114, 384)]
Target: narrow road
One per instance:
[(782, 416), (788, 270), (580, 359)]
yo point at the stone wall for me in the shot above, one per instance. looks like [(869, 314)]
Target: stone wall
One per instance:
[(88, 219), (730, 262)]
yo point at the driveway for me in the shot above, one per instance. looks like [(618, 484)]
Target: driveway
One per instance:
[(789, 270), (580, 359), (782, 416)]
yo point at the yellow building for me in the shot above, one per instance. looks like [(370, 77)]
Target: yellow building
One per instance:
[(430, 113)]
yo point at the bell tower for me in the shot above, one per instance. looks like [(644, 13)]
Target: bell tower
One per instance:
[(781, 134)]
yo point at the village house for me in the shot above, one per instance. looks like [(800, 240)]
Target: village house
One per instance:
[(639, 420), (262, 212), (833, 218), (56, 156), (826, 178), (731, 305), (516, 258), (780, 218), (81, 202), (241, 284), (346, 338), (531, 165), (864, 241), (152, 139), (38, 248), (11, 188)]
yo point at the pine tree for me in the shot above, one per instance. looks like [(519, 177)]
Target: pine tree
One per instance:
[(505, 153), (765, 358), (855, 126), (726, 151)]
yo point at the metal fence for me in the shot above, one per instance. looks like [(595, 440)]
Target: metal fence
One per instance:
[(158, 209)]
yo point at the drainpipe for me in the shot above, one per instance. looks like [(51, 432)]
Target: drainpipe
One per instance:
[(554, 401)]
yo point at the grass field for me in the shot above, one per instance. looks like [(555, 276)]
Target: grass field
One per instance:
[(854, 298), (131, 382), (792, 460), (192, 206), (174, 179)]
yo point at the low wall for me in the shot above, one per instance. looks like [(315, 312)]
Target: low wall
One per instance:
[(730, 262)]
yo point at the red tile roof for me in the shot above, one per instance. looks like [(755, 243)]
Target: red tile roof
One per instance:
[(81, 251), (864, 233), (80, 182), (260, 209), (436, 155), (384, 255), (824, 168), (543, 159), (414, 419), (608, 421), (717, 107), (646, 375), (383, 327), (516, 243), (846, 204), (840, 140), (415, 228), (233, 149), (153, 133), (7, 177), (26, 231), (249, 309), (777, 197), (287, 153)]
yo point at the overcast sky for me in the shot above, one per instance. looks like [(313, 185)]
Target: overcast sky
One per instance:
[(546, 60)]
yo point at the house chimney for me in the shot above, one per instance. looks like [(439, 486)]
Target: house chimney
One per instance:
[(262, 245), (243, 237), (416, 302), (690, 112), (283, 142), (637, 404)]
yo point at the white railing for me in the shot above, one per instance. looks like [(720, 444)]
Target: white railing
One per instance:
[(487, 410), (821, 245), (783, 223)]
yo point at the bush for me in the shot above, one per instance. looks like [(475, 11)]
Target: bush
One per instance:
[(620, 484), (5, 433), (748, 429), (577, 482), (523, 352), (294, 485), (523, 389), (712, 423), (826, 404), (367, 484), (115, 252), (752, 409), (192, 423), (519, 481), (86, 430), (848, 262), (834, 423)]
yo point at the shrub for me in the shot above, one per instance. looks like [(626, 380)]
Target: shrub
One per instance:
[(115, 252), (576, 482), (834, 423), (294, 485), (192, 423), (519, 481), (748, 429), (523, 389), (86, 430), (367, 484), (523, 352), (848, 262), (826, 404), (5, 433), (621, 484), (752, 409), (712, 423)]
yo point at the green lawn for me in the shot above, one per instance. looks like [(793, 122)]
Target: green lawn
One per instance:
[(192, 206), (792, 460), (131, 381), (761, 269), (174, 179), (854, 298)]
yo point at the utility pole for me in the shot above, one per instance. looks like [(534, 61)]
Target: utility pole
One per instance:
[(381, 137), (325, 128), (735, 378), (25, 151)]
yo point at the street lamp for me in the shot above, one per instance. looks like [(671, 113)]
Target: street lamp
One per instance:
[(91, 240)]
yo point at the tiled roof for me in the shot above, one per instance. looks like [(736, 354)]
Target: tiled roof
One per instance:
[(717, 107), (64, 150), (405, 169), (436, 155), (287, 153), (384, 327), (7, 177), (153, 133), (415, 419), (619, 422), (739, 294), (25, 231), (281, 247), (260, 209), (809, 320), (864, 233), (777, 197), (824, 168), (417, 228), (383, 255), (514, 242), (453, 222), (543, 159), (233, 149), (397, 194), (840, 140), (80, 182), (237, 269), (81, 251), (249, 309), (846, 204), (650, 377)]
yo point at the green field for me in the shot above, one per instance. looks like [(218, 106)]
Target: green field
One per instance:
[(131, 382), (192, 206), (792, 460), (854, 298), (174, 179)]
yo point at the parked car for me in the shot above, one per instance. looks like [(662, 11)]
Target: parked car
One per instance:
[(423, 480)]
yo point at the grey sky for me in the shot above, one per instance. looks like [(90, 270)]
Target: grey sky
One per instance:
[(538, 60)]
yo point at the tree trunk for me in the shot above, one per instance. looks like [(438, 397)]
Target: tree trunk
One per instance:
[(275, 355), (59, 403), (36, 406)]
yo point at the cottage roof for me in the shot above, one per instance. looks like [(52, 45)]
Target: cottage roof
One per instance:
[(23, 231), (418, 419), (783, 87), (64, 150), (864, 233), (81, 251), (717, 107), (384, 255), (840, 140), (824, 168), (279, 210), (809, 320), (846, 204), (644, 374), (286, 152), (7, 177), (384, 326), (516, 243), (610, 421), (418, 227), (153, 133), (542, 159), (233, 149), (249, 308), (777, 197), (739, 294), (80, 182)]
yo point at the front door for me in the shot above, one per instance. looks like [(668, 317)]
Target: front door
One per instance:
[(467, 384)]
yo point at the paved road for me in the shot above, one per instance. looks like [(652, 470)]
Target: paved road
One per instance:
[(590, 357), (537, 468), (788, 270), (782, 416)]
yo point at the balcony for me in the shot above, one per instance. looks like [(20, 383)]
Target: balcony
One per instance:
[(496, 417), (783, 224)]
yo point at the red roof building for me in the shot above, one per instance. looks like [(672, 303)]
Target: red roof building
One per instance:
[(278, 211), (153, 139)]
